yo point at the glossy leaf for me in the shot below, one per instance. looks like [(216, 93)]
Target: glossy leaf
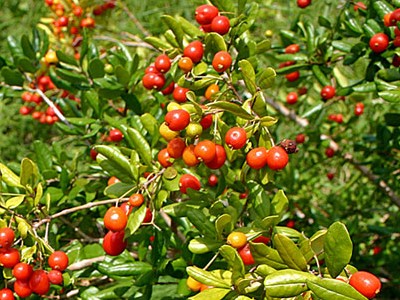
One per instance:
[(203, 245), (9, 176), (279, 203), (263, 46), (390, 96), (338, 248), (29, 173), (122, 75), (201, 222), (327, 289), (141, 146), (124, 268), (65, 58), (232, 108), (287, 283), (260, 200), (290, 253), (264, 270), (135, 219), (12, 77), (263, 254), (175, 26), (207, 278), (249, 75), (222, 223), (266, 78), (157, 43), (189, 28), (234, 261), (96, 68), (214, 43), (115, 155), (14, 202), (214, 293)]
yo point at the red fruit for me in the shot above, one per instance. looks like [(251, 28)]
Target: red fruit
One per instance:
[(177, 119), (212, 180), (22, 271), (149, 216), (169, 89), (236, 137), (164, 158), (58, 260), (113, 243), (25, 110), (377, 250), (22, 289), (219, 158), (300, 138), (293, 76), (396, 41), (55, 277), (136, 200), (328, 92), (290, 224), (116, 135), (303, 3), (257, 158), (330, 176), (243, 195), (205, 151), (127, 208), (360, 5), (206, 28), (26, 97), (6, 294), (359, 109), (112, 180), (153, 81), (366, 283), (291, 98), (9, 257), (115, 219), (205, 14), (163, 63), (188, 156), (277, 158), (206, 121), (293, 48), (188, 181), (262, 239), (329, 152), (63, 21), (211, 90), (194, 51), (151, 69), (222, 61), (39, 282), (394, 17), (246, 255), (179, 94), (185, 64), (379, 42), (93, 154), (77, 11), (220, 25), (88, 22), (175, 147)]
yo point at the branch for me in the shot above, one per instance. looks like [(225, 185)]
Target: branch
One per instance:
[(85, 263), (135, 20)]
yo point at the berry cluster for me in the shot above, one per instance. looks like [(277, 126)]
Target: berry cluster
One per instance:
[(28, 279), (210, 20)]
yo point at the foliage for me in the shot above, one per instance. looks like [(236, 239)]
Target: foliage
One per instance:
[(342, 205)]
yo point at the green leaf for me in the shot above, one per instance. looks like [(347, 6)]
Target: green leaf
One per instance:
[(214, 43), (328, 289), (175, 26), (29, 173), (122, 75), (214, 293), (234, 261), (124, 268), (9, 176), (14, 202), (25, 64), (14, 46), (157, 43), (259, 200), (249, 75), (232, 108), (338, 248), (221, 223), (323, 80), (189, 28), (132, 102), (135, 219), (279, 203), (65, 58), (263, 46), (91, 99), (290, 254), (203, 245), (201, 222), (390, 96), (27, 48), (392, 119), (324, 22), (264, 270), (12, 77), (263, 254), (118, 189), (71, 76), (207, 278), (43, 156), (224, 5), (139, 143), (114, 155), (287, 283), (96, 68), (149, 123), (266, 78)]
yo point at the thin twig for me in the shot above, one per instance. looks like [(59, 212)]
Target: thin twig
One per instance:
[(85, 263), (135, 20)]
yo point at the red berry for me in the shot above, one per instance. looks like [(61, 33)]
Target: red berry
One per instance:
[(290, 224), (164, 158), (206, 121), (9, 257), (293, 48), (177, 119), (220, 25), (329, 152), (194, 51), (116, 135), (222, 61), (163, 63), (366, 283), (7, 236), (291, 98), (149, 216), (379, 42), (169, 89), (219, 158), (205, 151), (303, 3), (257, 158), (188, 181), (153, 81), (328, 92), (175, 147), (236, 137), (39, 282), (115, 219), (22, 271), (6, 294), (113, 243), (22, 289), (55, 277), (179, 94), (246, 255), (277, 158), (359, 109), (300, 138), (58, 260), (212, 180), (293, 76), (205, 14), (359, 5)]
